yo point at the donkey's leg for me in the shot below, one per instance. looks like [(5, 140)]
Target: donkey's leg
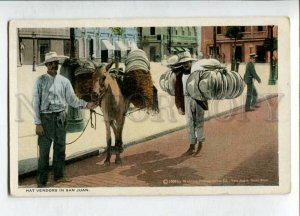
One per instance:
[(108, 142), (121, 135), (119, 143), (117, 147), (114, 127), (121, 125)]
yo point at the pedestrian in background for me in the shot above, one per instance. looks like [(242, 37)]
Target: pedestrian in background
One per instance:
[(249, 76), (194, 110), (22, 47), (51, 93)]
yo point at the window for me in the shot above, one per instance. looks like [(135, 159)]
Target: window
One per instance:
[(260, 28), (243, 28), (219, 30), (67, 47), (189, 31), (211, 51), (152, 30), (43, 48), (139, 31)]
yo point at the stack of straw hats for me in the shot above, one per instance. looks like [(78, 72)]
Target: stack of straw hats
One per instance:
[(137, 59), (210, 80)]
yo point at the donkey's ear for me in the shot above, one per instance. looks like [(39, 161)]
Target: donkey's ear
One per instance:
[(108, 66)]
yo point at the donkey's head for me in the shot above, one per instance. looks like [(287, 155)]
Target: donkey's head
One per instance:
[(99, 81)]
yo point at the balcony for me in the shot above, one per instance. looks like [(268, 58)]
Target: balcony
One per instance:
[(150, 39), (175, 39), (184, 39), (246, 35)]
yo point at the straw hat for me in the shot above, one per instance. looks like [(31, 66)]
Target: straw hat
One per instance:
[(252, 55), (52, 56), (173, 60), (185, 56)]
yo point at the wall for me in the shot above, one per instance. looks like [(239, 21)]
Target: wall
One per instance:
[(57, 46), (28, 52)]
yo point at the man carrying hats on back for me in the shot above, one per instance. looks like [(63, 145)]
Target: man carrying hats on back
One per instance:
[(51, 93), (176, 67), (249, 75), (194, 110)]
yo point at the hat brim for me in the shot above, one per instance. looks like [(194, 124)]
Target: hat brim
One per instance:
[(253, 56), (60, 60), (186, 60), (171, 65), (175, 66)]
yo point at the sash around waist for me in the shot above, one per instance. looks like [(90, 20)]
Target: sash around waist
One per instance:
[(52, 113)]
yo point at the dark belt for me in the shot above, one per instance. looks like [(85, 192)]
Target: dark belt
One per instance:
[(52, 113)]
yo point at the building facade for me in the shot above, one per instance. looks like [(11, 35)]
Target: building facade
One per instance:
[(34, 43), (159, 42), (102, 44), (99, 43), (254, 39)]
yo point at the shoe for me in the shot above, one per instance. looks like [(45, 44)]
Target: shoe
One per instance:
[(63, 180), (190, 151), (249, 110), (256, 106), (42, 185), (198, 149)]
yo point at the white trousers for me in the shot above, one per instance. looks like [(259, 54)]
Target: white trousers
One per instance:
[(194, 120)]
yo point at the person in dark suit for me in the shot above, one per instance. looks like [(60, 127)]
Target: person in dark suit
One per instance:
[(249, 76)]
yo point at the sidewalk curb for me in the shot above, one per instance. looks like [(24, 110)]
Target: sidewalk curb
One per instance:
[(98, 151)]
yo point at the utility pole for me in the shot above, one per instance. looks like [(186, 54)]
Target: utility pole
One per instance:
[(170, 38), (72, 38), (33, 51), (119, 32), (215, 42), (74, 117), (161, 47), (272, 80)]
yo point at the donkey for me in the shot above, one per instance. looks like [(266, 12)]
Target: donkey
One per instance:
[(114, 106)]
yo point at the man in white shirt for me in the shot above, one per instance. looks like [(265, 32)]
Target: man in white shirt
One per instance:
[(194, 110), (51, 93)]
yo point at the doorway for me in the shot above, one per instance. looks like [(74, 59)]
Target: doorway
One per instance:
[(261, 55), (91, 49), (104, 55), (152, 53), (238, 53)]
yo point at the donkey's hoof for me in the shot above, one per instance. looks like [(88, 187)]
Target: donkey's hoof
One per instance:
[(118, 161), (106, 163)]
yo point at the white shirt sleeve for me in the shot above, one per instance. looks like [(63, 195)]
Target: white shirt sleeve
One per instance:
[(36, 101), (71, 97)]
